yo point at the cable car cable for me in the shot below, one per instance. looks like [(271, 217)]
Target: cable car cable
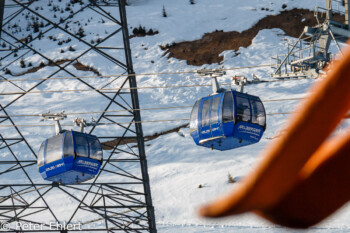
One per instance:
[(134, 122), (145, 109), (108, 89), (96, 112), (142, 74)]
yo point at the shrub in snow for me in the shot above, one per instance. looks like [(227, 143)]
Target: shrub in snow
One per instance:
[(35, 26), (71, 49), (230, 179), (7, 71), (164, 12), (284, 6), (23, 64), (81, 32), (139, 31), (192, 2)]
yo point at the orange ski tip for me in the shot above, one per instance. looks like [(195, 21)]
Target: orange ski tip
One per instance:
[(206, 211), (322, 187), (326, 151), (216, 209), (233, 203)]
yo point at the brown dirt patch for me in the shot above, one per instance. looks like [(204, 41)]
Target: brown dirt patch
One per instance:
[(111, 144), (207, 49), (77, 65)]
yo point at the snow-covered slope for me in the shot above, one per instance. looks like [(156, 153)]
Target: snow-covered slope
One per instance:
[(176, 166)]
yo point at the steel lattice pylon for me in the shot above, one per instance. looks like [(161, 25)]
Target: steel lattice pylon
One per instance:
[(119, 197)]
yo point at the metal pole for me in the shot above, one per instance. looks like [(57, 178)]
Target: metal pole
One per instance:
[(291, 50), (347, 12), (137, 117), (215, 85), (2, 7), (329, 10)]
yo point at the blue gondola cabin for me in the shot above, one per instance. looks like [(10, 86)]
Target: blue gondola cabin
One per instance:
[(227, 120), (70, 157)]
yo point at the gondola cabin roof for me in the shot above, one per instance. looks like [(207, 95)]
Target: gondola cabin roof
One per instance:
[(227, 120), (70, 157)]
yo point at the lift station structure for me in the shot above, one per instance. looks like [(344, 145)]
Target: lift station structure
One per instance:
[(311, 51)]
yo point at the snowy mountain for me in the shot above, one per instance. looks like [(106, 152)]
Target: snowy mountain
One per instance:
[(177, 167)]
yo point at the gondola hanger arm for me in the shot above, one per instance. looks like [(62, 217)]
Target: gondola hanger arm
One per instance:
[(213, 74), (81, 122), (240, 81), (54, 117)]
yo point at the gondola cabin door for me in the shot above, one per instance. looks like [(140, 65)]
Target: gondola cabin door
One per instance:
[(210, 118), (215, 123), (204, 116)]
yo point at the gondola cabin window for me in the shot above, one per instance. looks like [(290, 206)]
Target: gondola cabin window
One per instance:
[(194, 117), (54, 149), (243, 109), (95, 149), (228, 107), (68, 146), (80, 146), (205, 112), (214, 115), (41, 154), (258, 116)]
